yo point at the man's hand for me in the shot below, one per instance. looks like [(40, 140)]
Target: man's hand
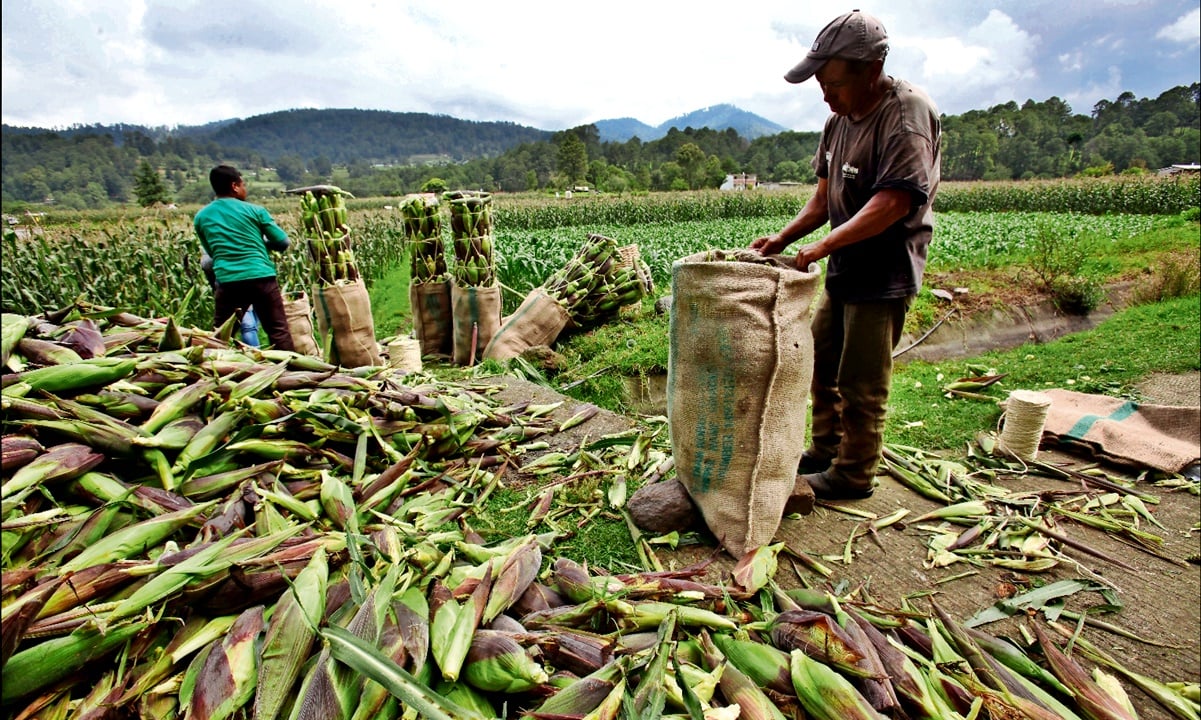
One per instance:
[(807, 254), (769, 244)]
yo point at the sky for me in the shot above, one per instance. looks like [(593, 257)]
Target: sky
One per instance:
[(557, 65)]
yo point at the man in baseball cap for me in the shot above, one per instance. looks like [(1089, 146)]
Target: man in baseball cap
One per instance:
[(877, 167), (853, 36)]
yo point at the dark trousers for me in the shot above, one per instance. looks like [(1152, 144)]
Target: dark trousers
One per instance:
[(264, 294), (852, 373)]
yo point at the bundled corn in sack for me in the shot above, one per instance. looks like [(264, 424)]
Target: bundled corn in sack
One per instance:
[(474, 295), (591, 288), (340, 296), (429, 283), (740, 361)]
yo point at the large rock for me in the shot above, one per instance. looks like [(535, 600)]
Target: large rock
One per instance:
[(663, 507)]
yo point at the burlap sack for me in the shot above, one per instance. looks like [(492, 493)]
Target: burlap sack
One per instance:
[(475, 318), (300, 323), (538, 321), (740, 361), (344, 318), (432, 316), (1164, 437)]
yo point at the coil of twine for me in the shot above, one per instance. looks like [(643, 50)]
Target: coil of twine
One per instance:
[(1022, 421)]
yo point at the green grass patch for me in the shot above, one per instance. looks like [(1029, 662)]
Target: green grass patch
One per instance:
[(1109, 359)]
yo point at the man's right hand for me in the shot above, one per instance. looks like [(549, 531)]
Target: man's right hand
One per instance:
[(769, 244)]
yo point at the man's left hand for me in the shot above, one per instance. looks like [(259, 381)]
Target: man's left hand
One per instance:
[(806, 254)]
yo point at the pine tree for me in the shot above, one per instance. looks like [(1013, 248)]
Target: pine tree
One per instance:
[(148, 186)]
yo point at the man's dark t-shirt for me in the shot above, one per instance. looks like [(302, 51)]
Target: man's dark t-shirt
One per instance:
[(896, 146)]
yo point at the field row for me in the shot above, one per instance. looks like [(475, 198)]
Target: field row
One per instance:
[(152, 269)]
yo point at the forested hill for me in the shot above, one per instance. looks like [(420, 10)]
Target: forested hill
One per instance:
[(378, 153), (373, 136)]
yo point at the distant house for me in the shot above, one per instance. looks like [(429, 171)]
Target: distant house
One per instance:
[(1180, 169), (741, 181)]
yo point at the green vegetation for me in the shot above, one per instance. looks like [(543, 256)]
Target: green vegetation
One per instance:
[(380, 154)]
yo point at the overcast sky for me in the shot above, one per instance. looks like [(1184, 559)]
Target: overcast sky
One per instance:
[(555, 65)]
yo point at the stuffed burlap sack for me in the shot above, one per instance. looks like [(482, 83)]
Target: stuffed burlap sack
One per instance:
[(475, 319), (740, 361), (538, 321), (300, 323), (432, 317), (344, 312)]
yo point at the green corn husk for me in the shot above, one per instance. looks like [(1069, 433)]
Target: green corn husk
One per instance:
[(364, 658), (46, 663), (585, 694), (289, 636), (826, 694), (226, 681), (766, 665), (135, 539), (497, 663), (87, 373), (196, 633)]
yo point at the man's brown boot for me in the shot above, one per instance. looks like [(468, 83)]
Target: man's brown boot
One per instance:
[(827, 486)]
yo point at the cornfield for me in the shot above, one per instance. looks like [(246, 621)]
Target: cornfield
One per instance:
[(152, 267), (148, 265)]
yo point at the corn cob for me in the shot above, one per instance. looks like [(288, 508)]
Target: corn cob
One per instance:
[(226, 680), (46, 352), (513, 576), (46, 663), (12, 328), (826, 694), (58, 464), (366, 659), (135, 538), (497, 663), (819, 636), (17, 450), (87, 373)]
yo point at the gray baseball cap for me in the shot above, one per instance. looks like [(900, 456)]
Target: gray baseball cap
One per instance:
[(853, 36)]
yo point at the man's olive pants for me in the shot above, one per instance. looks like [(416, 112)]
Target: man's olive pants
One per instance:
[(852, 372)]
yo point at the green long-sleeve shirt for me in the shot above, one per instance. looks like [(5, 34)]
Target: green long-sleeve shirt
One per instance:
[(238, 234)]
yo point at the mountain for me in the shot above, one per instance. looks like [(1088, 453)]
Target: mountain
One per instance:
[(622, 129), (717, 117)]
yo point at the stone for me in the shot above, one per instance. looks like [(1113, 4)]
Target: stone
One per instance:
[(663, 305), (543, 358), (662, 507)]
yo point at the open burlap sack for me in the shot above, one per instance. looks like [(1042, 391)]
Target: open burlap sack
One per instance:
[(537, 321), (475, 318), (740, 362), (432, 316), (300, 323), (344, 317)]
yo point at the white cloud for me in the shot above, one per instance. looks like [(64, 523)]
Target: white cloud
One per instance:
[(535, 62), (1184, 30)]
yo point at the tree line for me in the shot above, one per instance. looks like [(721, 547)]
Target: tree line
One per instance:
[(82, 169)]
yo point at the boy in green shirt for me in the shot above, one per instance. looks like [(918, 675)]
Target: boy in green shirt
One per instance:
[(237, 235)]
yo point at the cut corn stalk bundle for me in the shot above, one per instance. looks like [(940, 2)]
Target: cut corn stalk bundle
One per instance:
[(593, 286), (323, 218), (423, 233), (471, 236)]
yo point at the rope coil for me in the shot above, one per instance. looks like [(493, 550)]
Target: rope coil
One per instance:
[(1023, 420)]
